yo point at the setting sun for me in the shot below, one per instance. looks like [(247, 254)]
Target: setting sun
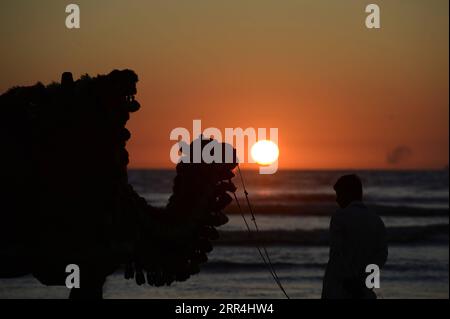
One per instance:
[(265, 152)]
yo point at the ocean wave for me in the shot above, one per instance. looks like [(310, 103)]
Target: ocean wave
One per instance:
[(433, 234), (327, 209), (223, 265), (293, 189), (228, 265)]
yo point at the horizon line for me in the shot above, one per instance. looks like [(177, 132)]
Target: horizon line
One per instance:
[(445, 168)]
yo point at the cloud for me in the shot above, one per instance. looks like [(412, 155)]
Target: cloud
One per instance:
[(399, 155)]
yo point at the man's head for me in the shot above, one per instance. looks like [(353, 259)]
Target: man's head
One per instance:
[(348, 189)]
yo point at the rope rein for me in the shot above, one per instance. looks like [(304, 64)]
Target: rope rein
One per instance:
[(264, 254)]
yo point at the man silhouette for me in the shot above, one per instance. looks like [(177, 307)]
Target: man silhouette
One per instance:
[(357, 239)]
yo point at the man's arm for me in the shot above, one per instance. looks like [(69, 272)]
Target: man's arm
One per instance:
[(382, 247), (340, 266)]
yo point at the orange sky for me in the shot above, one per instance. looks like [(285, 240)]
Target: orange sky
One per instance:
[(342, 96)]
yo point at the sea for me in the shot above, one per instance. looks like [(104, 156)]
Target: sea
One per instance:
[(293, 210)]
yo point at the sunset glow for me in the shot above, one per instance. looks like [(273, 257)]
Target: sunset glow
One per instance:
[(341, 95)]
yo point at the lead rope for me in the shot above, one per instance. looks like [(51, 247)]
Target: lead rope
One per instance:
[(264, 256), (250, 235)]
